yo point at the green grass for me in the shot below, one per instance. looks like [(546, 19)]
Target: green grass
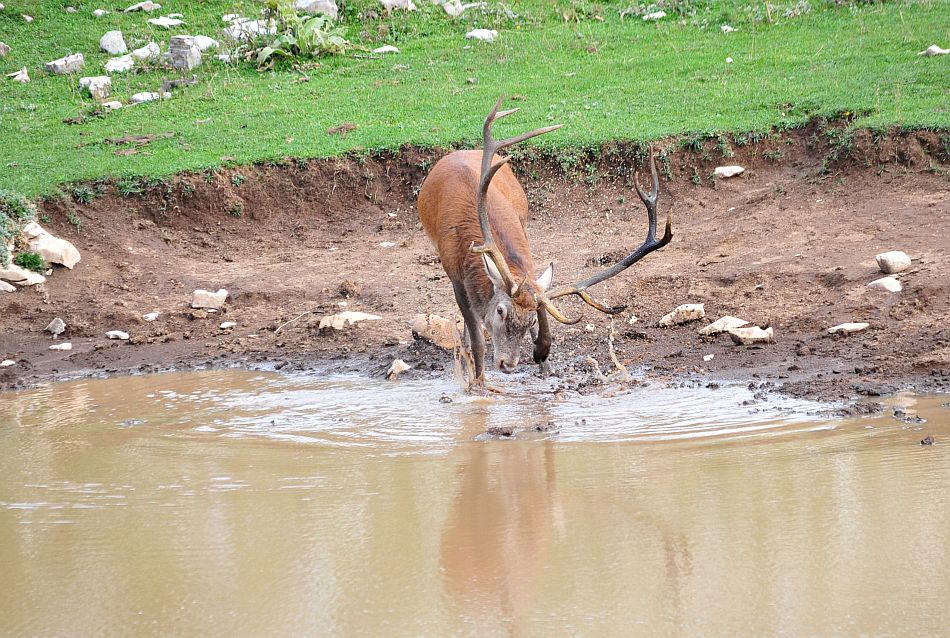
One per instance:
[(576, 63)]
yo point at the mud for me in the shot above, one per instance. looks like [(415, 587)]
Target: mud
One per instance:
[(789, 244)]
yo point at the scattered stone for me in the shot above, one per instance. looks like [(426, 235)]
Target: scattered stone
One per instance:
[(99, 13), (118, 334), (751, 335), (315, 7), (5, 287), (183, 53), (727, 29), (26, 18), (725, 172), (723, 324), (113, 42), (150, 316), (150, 51), (98, 88), (848, 328), (933, 50), (927, 440), (343, 319), (4, 49), (227, 325), (20, 276), (398, 367), (729, 60), (386, 49), (111, 106), (62, 346), (391, 5), (56, 327), (144, 6), (485, 35), (455, 8), (230, 17), (683, 314), (205, 299), (892, 262), (887, 284), (176, 15), (387, 244), (22, 76), (165, 22), (708, 357), (6, 363), (244, 29), (224, 57), (204, 43), (69, 64), (70, 9), (656, 15), (147, 96), (632, 320), (435, 329), (51, 248), (120, 65), (506, 431)]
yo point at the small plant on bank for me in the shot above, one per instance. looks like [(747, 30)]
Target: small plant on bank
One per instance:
[(235, 210), (298, 36), (30, 261), (73, 219), (237, 179), (83, 194), (15, 211), (129, 186), (773, 156)]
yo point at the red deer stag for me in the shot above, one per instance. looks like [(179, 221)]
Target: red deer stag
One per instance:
[(475, 211)]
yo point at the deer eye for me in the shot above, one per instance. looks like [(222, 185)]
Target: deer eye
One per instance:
[(501, 312)]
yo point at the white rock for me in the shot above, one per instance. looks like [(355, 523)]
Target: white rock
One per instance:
[(848, 328), (165, 22), (223, 57), (183, 52), (117, 334), (150, 51), (244, 29), (120, 65), (56, 327), (205, 299), (893, 261), (455, 8), (68, 64), (98, 88), (4, 49), (485, 35), (708, 357), (99, 13), (684, 313), (435, 329), (144, 6), (346, 318), (398, 367), (176, 15), (112, 105), (20, 276), (5, 287), (62, 346), (145, 96), (656, 15), (632, 320), (227, 325), (887, 284), (727, 29), (204, 42), (113, 42), (6, 363), (386, 49), (26, 18), (728, 60), (728, 171), (51, 248), (391, 5), (230, 17), (751, 335), (70, 9), (150, 316), (387, 244), (933, 50), (723, 324), (318, 7), (21, 76)]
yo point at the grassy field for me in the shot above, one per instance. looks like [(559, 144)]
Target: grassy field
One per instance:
[(577, 63)]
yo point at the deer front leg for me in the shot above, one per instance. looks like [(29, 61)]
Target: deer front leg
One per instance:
[(476, 340), (542, 340)]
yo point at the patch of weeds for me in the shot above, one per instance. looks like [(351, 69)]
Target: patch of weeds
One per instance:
[(129, 186), (46, 219), (696, 179), (621, 199), (693, 143), (83, 194), (298, 36), (773, 156), (187, 190), (237, 179), (723, 146), (73, 219), (568, 162), (15, 211), (945, 146), (580, 11), (209, 177), (30, 261), (666, 163), (235, 210)]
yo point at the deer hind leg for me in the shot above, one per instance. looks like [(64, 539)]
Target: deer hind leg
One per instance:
[(475, 340)]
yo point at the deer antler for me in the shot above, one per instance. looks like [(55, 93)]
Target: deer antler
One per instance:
[(647, 247), (490, 147)]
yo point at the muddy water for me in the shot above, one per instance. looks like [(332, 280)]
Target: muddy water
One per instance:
[(234, 503)]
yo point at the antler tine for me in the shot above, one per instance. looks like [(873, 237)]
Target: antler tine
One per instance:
[(649, 245)]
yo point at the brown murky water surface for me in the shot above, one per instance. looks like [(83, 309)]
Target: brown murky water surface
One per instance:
[(234, 503)]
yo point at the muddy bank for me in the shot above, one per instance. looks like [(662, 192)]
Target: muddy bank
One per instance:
[(789, 244)]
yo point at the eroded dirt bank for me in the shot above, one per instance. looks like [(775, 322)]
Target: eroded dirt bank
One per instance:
[(790, 244)]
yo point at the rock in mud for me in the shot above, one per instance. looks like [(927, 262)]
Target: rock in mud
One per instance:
[(933, 50), (752, 335), (150, 316), (206, 299), (4, 49), (887, 284), (485, 35), (341, 320), (723, 324), (98, 87), (117, 334), (927, 440), (5, 287), (120, 65), (506, 431), (683, 314), (165, 22), (147, 6), (62, 346), (435, 329), (113, 42), (183, 52), (69, 64), (848, 328), (22, 76), (56, 327), (6, 363), (20, 276), (725, 172), (398, 367), (893, 261), (51, 248), (708, 357), (317, 7), (227, 325)]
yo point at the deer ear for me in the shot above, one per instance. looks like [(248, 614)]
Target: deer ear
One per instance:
[(493, 273), (546, 278)]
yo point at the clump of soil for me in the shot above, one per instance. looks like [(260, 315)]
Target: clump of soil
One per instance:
[(789, 244)]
